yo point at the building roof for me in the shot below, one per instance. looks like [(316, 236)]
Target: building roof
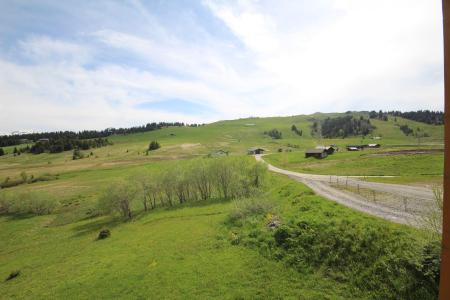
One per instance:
[(314, 151), (255, 148), (324, 147)]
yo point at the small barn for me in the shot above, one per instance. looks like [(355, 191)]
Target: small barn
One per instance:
[(317, 153), (358, 147), (328, 149), (43, 140), (349, 148), (374, 145), (255, 150)]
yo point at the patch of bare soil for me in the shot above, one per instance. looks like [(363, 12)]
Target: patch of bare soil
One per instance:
[(188, 146), (405, 152)]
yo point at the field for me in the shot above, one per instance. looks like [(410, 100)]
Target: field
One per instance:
[(424, 168), (189, 250)]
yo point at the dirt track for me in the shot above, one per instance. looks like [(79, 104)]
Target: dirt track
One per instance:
[(418, 198)]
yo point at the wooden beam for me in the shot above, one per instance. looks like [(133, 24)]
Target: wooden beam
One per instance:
[(444, 285)]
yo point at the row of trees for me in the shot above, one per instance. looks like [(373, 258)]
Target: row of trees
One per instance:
[(378, 115), (342, 127), (17, 139), (424, 116), (66, 144), (202, 179), (34, 203)]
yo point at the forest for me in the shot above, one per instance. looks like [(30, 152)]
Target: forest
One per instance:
[(342, 127), (424, 116), (17, 139)]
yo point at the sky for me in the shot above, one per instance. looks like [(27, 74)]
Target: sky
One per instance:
[(73, 65)]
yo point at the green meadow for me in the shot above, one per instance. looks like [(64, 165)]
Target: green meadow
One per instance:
[(218, 248)]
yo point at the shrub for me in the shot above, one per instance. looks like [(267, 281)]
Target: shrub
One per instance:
[(154, 145), (36, 203), (13, 275), (274, 133), (377, 259), (118, 198), (77, 154), (244, 208), (8, 182), (103, 234)]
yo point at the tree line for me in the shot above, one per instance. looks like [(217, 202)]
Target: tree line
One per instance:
[(200, 180), (17, 139), (378, 115), (424, 116), (65, 144), (342, 127)]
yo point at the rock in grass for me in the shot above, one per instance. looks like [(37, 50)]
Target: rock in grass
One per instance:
[(105, 233), (13, 275)]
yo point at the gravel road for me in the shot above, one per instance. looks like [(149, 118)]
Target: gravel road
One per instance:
[(418, 198)]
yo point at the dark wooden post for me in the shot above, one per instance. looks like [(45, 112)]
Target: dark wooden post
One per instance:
[(444, 286)]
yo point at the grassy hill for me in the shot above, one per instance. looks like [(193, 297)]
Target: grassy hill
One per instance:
[(192, 250)]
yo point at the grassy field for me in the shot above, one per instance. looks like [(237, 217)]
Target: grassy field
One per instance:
[(183, 252), (188, 251), (410, 168)]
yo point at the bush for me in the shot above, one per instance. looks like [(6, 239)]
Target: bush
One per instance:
[(8, 182), (77, 154), (36, 203), (13, 275), (244, 208), (118, 198), (274, 133), (154, 145), (103, 234), (377, 259)]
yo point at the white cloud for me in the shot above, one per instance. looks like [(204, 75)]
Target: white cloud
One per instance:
[(43, 48), (369, 51)]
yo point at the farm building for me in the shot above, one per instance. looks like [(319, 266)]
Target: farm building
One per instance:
[(43, 140), (352, 148), (328, 149), (358, 147), (255, 150), (317, 153), (361, 147), (374, 146)]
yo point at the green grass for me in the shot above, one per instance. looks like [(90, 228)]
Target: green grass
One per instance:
[(416, 168), (184, 252), (373, 258), (170, 253)]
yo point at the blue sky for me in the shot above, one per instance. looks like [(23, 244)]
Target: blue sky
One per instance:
[(96, 64)]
